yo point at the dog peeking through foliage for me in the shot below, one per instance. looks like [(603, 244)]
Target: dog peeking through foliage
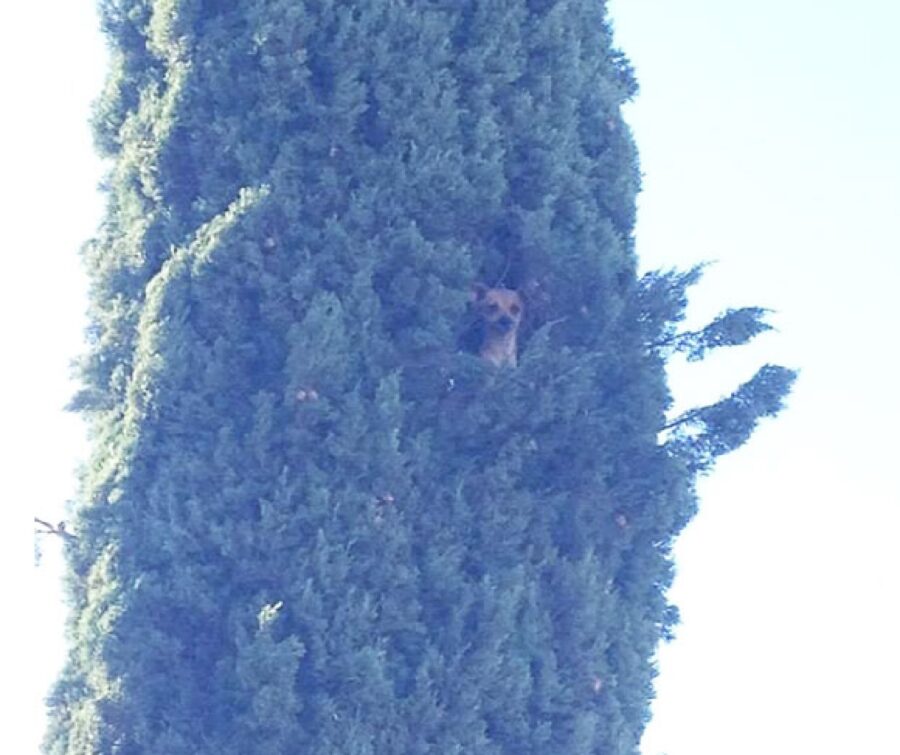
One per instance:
[(500, 313)]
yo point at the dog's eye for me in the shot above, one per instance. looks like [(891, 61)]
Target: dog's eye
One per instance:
[(493, 307), (514, 309)]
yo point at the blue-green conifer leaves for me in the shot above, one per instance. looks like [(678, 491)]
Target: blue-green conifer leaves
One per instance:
[(314, 520)]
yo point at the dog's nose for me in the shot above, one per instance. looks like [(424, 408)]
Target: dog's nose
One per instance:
[(505, 323)]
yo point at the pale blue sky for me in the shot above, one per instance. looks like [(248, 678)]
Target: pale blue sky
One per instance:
[(770, 141)]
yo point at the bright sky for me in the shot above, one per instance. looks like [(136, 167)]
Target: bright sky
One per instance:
[(770, 142)]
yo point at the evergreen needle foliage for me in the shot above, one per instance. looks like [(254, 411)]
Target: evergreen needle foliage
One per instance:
[(314, 521)]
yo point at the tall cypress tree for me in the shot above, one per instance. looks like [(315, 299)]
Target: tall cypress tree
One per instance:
[(314, 519)]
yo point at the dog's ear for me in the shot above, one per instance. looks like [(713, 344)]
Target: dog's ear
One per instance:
[(479, 291)]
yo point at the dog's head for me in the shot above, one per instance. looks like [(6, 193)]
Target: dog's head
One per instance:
[(500, 309)]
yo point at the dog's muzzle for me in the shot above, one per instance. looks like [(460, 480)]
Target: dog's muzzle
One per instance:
[(504, 324)]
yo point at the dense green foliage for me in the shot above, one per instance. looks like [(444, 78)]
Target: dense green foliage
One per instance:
[(314, 521)]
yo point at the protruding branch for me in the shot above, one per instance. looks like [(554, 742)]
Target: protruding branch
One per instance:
[(59, 529)]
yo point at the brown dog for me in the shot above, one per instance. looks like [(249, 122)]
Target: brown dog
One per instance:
[(500, 310)]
